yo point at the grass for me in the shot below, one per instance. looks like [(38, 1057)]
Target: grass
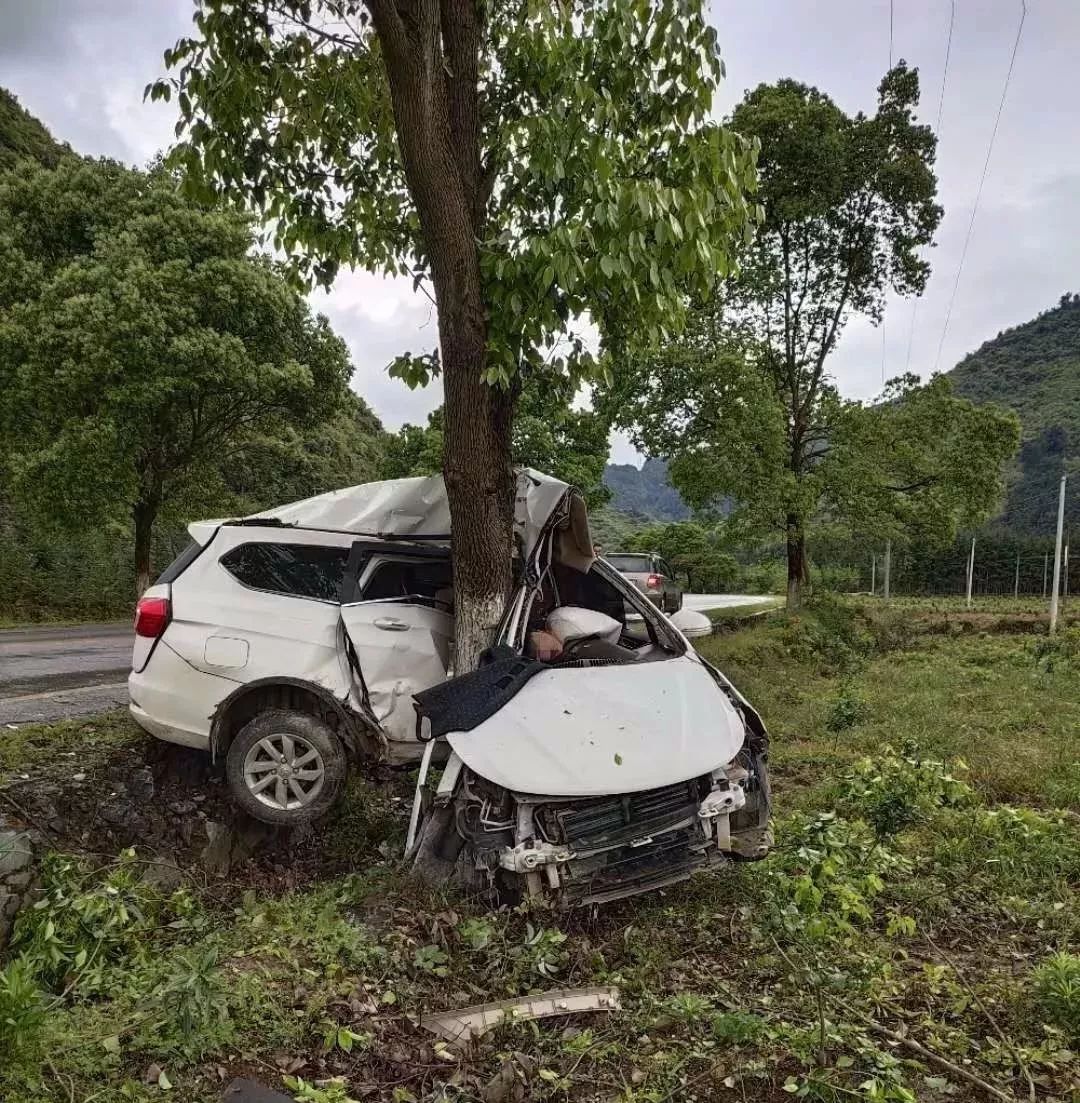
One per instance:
[(741, 612), (923, 887), (27, 746)]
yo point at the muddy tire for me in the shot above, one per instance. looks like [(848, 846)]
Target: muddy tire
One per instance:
[(286, 768)]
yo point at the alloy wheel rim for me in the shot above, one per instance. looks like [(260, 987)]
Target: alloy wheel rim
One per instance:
[(284, 771)]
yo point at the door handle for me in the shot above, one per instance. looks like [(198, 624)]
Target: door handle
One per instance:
[(389, 624)]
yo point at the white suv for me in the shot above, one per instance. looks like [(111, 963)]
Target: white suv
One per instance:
[(588, 763)]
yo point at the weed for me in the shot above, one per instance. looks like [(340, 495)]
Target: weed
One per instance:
[(330, 1091), (1057, 992), (894, 790), (22, 1008), (832, 871), (187, 1014), (84, 919), (848, 709), (1057, 654)]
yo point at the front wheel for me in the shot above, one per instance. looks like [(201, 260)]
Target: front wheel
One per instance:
[(286, 768)]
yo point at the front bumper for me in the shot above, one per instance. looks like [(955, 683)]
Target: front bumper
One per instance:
[(608, 848)]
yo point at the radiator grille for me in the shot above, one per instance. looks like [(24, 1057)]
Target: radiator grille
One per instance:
[(612, 821)]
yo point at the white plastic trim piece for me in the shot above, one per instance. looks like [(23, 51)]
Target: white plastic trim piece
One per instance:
[(466, 1023), (414, 818), (720, 802)]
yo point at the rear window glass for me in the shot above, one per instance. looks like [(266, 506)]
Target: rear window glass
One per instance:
[(180, 564), (632, 564), (299, 570)]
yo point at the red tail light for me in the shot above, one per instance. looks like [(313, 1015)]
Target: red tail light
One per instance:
[(653, 582), (152, 616)]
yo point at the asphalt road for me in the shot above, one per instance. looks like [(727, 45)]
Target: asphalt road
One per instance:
[(723, 601), (50, 672)]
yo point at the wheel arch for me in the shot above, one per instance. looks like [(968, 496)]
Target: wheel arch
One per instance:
[(245, 702)]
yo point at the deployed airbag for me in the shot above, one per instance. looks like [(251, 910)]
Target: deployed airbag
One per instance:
[(571, 622)]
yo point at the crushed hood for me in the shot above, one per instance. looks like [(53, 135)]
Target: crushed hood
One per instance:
[(419, 507), (598, 731)]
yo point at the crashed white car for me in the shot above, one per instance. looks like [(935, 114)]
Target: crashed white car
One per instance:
[(593, 755)]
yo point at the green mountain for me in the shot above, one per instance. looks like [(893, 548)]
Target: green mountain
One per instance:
[(22, 135), (644, 492), (1034, 369)]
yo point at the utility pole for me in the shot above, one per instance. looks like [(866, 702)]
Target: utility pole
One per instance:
[(888, 568), (1065, 577), (873, 573), (970, 571), (1057, 558), (1046, 566), (1016, 584)]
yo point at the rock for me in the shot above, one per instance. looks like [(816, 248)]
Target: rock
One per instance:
[(163, 875), (16, 851), (232, 843), (141, 785), (115, 811), (251, 1091), (17, 882)]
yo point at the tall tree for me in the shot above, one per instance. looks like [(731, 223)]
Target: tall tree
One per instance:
[(919, 463), (143, 346), (536, 163), (849, 201)]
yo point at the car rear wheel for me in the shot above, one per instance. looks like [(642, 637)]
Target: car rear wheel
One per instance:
[(286, 768)]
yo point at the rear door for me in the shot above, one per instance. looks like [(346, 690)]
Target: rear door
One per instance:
[(401, 627)]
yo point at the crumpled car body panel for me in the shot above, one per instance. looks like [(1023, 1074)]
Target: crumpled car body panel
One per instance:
[(585, 732)]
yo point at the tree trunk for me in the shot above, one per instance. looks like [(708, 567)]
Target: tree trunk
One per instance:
[(144, 514), (796, 562), (435, 102), (479, 485)]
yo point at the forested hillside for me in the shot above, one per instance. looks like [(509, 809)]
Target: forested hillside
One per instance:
[(1034, 369), (644, 492), (21, 135)]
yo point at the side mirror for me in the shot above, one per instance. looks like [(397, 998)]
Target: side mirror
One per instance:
[(691, 623)]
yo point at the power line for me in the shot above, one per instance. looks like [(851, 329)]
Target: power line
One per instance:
[(982, 179), (945, 73), (937, 134)]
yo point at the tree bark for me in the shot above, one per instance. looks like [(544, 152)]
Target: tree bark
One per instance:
[(796, 562), (431, 55), (144, 514)]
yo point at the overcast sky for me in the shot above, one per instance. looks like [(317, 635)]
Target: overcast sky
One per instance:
[(81, 66)]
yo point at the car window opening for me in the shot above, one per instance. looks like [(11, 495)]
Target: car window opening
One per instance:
[(580, 619), (428, 581)]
